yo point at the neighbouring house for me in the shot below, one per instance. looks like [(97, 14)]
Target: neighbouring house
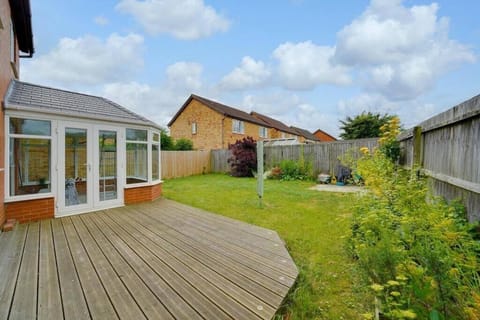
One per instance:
[(323, 136), (305, 135), (279, 129), (71, 153), (16, 41), (212, 125)]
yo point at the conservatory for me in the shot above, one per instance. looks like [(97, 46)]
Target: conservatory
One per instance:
[(71, 153)]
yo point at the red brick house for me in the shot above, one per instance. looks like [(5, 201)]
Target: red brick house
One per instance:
[(323, 136)]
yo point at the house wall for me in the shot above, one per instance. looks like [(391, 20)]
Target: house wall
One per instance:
[(214, 131), (7, 72), (209, 126), (142, 194)]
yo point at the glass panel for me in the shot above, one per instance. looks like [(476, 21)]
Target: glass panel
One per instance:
[(76, 166), (136, 135), (29, 126), (156, 137), (137, 166), (155, 162), (29, 166), (107, 143)]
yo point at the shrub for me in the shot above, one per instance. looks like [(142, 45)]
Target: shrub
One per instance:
[(183, 144), (415, 251), (166, 141), (243, 161), (295, 170)]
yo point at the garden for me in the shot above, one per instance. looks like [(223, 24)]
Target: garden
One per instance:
[(394, 252)]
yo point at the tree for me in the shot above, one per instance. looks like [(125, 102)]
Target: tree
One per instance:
[(244, 157), (364, 125), (166, 141), (183, 144)]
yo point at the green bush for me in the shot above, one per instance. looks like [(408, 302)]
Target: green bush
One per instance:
[(295, 170), (415, 251), (183, 144)]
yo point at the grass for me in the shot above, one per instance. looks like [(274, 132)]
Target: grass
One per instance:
[(313, 225)]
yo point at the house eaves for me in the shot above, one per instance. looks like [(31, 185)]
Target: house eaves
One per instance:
[(22, 25)]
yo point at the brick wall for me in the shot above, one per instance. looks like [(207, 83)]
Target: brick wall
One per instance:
[(6, 74), (142, 194), (30, 210), (209, 126)]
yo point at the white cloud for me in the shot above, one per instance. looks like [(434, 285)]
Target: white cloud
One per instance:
[(400, 51), (304, 65), (184, 19), (158, 102), (184, 75), (87, 60), (101, 20), (249, 74)]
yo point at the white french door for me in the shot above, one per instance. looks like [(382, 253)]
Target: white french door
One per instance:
[(89, 163)]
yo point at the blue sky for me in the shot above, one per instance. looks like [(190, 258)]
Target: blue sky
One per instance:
[(308, 63)]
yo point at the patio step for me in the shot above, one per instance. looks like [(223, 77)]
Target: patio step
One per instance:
[(9, 225)]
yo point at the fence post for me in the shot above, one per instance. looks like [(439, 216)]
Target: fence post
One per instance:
[(417, 147)]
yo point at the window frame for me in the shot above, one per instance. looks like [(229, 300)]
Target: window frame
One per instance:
[(9, 197), (263, 132), (241, 126), (149, 143), (194, 128)]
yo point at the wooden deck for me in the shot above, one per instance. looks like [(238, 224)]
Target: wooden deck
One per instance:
[(160, 260)]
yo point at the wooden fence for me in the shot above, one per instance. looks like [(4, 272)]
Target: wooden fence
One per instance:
[(447, 148), (323, 156), (177, 164)]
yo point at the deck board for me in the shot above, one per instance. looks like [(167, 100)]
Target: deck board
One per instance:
[(11, 254), (160, 260), (49, 300), (24, 304)]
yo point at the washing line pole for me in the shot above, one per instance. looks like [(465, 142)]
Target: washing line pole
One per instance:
[(260, 171)]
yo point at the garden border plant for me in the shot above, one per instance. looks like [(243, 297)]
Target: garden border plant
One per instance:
[(413, 250)]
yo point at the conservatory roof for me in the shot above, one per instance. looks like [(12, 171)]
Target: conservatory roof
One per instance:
[(24, 96)]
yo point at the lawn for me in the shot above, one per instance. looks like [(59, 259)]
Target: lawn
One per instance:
[(312, 223)]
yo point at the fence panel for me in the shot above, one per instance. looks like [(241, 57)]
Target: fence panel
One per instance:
[(450, 154), (177, 164), (323, 156), (220, 160)]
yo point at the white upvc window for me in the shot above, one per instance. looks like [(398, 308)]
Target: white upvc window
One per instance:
[(29, 159), (143, 156), (238, 126), (194, 128), (263, 132)]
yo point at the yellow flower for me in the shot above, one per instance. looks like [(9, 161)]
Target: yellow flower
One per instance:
[(367, 316), (393, 283), (401, 277), (409, 314), (395, 293), (376, 287)]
